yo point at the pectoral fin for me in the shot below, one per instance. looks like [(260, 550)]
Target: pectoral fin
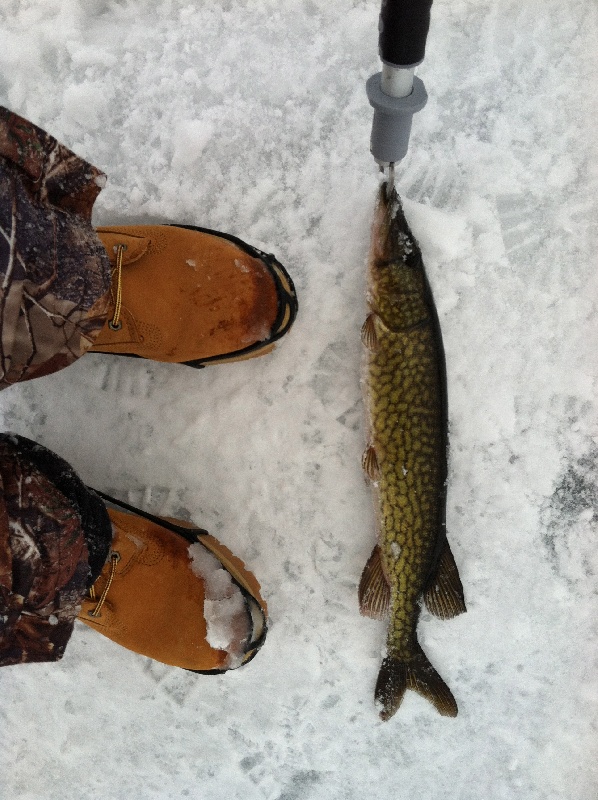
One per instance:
[(369, 335), (374, 592), (369, 462), (444, 596)]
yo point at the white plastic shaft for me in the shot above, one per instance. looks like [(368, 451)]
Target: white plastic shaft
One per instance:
[(397, 81)]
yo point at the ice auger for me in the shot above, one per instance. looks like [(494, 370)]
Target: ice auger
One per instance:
[(395, 93)]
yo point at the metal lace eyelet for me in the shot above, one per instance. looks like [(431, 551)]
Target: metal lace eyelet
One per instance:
[(114, 327)]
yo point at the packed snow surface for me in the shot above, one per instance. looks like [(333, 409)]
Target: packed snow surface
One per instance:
[(251, 117)]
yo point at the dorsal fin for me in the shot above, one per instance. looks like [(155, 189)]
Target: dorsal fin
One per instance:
[(374, 591), (444, 595)]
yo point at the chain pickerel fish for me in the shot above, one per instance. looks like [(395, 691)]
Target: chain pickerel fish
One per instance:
[(406, 461)]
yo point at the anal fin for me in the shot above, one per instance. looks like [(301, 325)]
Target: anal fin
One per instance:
[(374, 591), (444, 596)]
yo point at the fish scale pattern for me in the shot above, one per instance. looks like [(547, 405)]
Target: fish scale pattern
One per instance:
[(407, 435)]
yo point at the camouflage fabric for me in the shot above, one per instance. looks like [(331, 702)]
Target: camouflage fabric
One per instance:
[(54, 539), (54, 271)]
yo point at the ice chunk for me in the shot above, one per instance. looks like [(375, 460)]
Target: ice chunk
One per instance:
[(225, 610), (190, 139), (223, 617), (241, 266)]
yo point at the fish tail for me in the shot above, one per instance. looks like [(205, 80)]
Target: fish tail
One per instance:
[(418, 674)]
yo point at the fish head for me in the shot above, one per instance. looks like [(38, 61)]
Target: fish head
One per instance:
[(398, 288)]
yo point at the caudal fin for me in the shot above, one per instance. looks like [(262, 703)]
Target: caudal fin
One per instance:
[(417, 674)]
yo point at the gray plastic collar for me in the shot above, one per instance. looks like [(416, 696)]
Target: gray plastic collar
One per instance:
[(392, 119)]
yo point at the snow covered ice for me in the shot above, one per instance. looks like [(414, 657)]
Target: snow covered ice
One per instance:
[(251, 117)]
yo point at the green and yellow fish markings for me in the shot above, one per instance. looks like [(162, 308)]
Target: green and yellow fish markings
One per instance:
[(406, 460)]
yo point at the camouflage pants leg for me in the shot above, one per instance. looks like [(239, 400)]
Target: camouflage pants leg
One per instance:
[(55, 537), (54, 271), (54, 290)]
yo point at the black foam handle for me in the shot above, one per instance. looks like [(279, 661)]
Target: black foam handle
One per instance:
[(404, 28)]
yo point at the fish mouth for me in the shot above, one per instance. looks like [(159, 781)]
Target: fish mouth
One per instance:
[(394, 243), (388, 197)]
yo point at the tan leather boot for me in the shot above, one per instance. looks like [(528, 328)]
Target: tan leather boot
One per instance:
[(192, 296), (175, 594)]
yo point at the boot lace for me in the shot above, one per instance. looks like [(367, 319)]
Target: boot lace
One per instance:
[(115, 324), (114, 559)]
